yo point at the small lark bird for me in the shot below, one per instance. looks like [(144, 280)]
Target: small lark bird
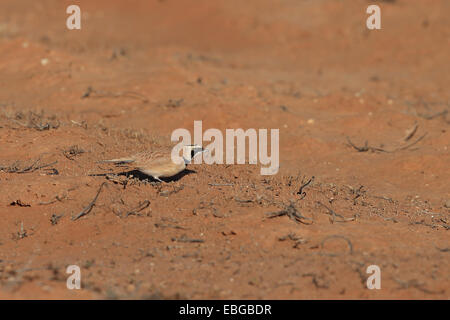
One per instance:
[(158, 163)]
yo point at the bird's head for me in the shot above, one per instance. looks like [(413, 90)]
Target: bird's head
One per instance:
[(190, 151)]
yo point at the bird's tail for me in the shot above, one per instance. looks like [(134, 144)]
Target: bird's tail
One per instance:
[(120, 160)]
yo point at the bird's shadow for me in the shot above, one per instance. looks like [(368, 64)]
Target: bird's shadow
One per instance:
[(143, 177)]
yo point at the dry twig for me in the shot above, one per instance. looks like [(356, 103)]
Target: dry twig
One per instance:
[(89, 207), (183, 238), (304, 185), (366, 146), (350, 246), (292, 213), (139, 208), (92, 93), (334, 214)]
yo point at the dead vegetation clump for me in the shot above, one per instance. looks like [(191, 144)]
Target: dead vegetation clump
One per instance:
[(37, 121), (72, 152), (17, 167), (130, 136)]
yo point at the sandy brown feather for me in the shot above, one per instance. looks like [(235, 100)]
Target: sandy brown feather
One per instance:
[(157, 163)]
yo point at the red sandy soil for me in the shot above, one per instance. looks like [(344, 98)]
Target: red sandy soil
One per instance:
[(310, 68)]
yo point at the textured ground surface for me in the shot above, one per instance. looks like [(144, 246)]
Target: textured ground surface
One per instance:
[(309, 68)]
